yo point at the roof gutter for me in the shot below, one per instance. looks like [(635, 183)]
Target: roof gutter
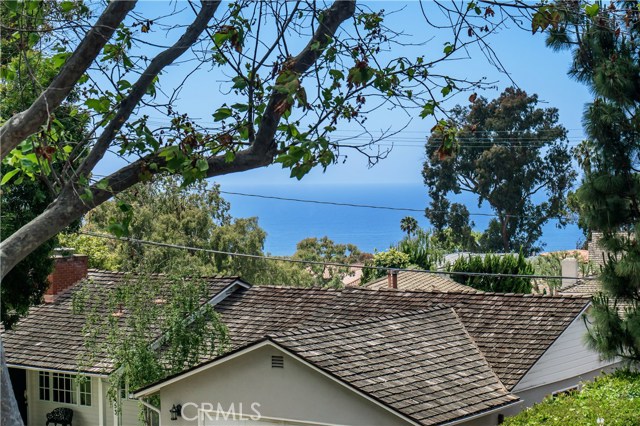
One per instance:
[(55, 370), (479, 415)]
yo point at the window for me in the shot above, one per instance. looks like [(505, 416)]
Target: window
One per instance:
[(124, 389), (64, 388), (44, 386), (84, 388)]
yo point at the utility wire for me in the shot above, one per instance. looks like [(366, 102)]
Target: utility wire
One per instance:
[(314, 262), (364, 206)]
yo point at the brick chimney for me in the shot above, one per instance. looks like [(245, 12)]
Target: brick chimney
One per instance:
[(392, 278), (68, 269)]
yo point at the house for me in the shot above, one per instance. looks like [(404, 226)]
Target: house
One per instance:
[(417, 281), (326, 356), (45, 349)]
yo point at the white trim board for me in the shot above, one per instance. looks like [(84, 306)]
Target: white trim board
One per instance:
[(55, 370)]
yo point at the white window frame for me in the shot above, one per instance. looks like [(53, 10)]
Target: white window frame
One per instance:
[(51, 386)]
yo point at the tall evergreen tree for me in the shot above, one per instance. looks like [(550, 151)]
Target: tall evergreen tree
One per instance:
[(604, 42), (513, 155)]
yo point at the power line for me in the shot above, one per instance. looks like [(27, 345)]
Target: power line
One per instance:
[(334, 203), (314, 262), (363, 206)]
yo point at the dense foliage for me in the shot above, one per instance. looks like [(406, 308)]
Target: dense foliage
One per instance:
[(606, 57), (26, 283), (122, 323), (391, 259), (511, 154), (494, 264), (615, 399), (326, 251)]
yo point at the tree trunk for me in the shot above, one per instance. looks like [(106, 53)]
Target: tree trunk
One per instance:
[(9, 412), (505, 236)]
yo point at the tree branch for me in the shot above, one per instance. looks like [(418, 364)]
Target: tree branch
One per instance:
[(22, 125), (139, 89), (69, 207)]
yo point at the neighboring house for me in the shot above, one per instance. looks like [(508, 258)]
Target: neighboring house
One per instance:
[(418, 281), (44, 350), (582, 287), (314, 356), (311, 356)]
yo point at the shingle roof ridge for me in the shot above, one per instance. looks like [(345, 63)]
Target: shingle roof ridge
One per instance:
[(477, 293), (162, 274), (308, 330)]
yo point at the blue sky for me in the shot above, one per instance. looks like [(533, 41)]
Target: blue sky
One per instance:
[(532, 66)]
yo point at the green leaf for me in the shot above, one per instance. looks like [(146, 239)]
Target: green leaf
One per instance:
[(239, 82), (202, 165), (67, 6), (103, 184), (428, 109), (117, 229), (222, 113), (7, 176), (59, 59), (240, 107), (592, 9), (99, 105), (123, 85)]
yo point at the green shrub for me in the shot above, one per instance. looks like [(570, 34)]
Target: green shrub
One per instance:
[(613, 398), (494, 264)]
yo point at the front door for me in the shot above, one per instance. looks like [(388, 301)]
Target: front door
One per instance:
[(19, 381)]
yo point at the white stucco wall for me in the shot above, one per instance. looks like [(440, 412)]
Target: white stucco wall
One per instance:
[(295, 392)]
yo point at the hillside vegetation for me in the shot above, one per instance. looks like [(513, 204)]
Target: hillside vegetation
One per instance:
[(610, 400)]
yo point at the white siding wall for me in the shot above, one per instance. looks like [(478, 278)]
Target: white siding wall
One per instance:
[(82, 415), (38, 409), (567, 358)]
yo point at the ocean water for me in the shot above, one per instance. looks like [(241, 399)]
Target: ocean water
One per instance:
[(288, 222)]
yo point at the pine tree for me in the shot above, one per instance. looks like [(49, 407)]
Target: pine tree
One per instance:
[(604, 43)]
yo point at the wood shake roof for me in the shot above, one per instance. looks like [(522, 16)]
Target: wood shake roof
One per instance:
[(432, 356), (420, 281), (511, 330), (52, 335), (583, 287), (423, 364)]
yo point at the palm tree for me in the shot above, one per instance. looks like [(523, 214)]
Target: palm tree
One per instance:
[(409, 225)]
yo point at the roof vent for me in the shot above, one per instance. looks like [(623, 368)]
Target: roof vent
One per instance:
[(277, 361)]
